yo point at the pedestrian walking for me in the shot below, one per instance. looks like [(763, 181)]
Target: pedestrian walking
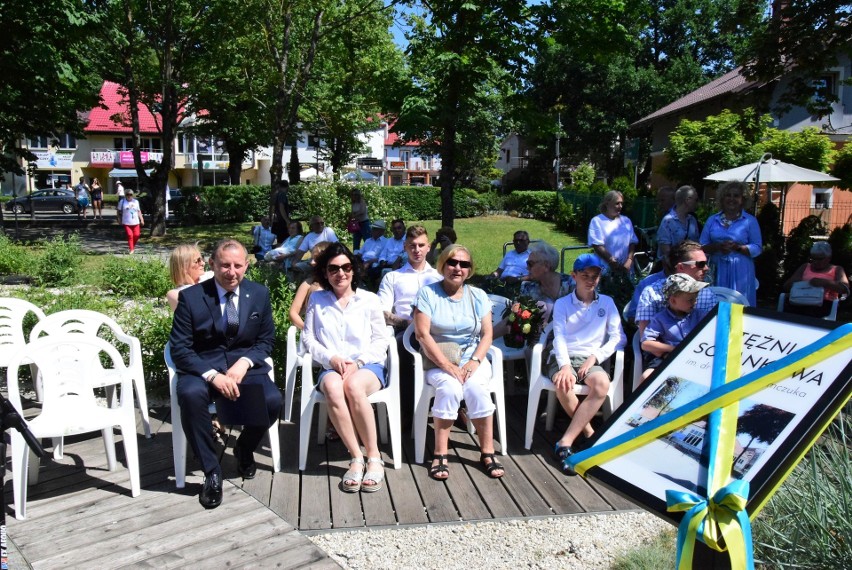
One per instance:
[(131, 217)]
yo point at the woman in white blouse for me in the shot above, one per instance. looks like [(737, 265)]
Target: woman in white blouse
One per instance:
[(345, 333)]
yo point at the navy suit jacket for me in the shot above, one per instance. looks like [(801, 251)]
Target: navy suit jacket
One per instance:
[(198, 342)]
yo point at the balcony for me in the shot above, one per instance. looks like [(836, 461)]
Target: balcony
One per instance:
[(219, 161), (419, 164), (111, 158)]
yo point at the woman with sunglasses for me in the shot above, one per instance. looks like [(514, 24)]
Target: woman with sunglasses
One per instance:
[(451, 312), (186, 267), (345, 333), (731, 239)]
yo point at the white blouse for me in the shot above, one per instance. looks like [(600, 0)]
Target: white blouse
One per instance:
[(355, 332)]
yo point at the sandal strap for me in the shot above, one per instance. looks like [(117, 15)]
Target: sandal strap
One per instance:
[(358, 460), (376, 460)]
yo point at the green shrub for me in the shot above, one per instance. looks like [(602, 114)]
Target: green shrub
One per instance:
[(151, 323), (58, 261), (536, 204), (281, 293), (223, 204), (14, 259), (135, 277), (840, 240), (807, 523), (491, 201)]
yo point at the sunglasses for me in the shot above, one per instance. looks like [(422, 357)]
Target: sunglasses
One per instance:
[(459, 263), (346, 268), (698, 264)]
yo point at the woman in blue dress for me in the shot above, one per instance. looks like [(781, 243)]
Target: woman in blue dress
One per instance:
[(731, 240)]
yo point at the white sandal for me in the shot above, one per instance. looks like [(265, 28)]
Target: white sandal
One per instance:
[(374, 477), (353, 477)]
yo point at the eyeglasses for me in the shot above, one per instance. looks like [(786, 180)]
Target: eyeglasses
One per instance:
[(333, 269), (698, 264), (532, 262), (459, 263), (199, 261)]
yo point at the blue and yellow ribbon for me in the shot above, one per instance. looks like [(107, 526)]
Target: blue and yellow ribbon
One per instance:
[(721, 521)]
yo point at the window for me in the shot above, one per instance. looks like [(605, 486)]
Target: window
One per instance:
[(821, 198), (313, 141), (67, 141), (39, 142), (145, 143)]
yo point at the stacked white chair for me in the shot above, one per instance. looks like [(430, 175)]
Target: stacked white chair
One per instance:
[(69, 365)]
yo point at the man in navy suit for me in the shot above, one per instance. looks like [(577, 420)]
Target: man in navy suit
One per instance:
[(221, 336)]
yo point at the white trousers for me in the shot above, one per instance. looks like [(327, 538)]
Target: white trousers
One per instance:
[(449, 393)]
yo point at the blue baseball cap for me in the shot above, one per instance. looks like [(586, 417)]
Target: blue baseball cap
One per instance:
[(588, 260)]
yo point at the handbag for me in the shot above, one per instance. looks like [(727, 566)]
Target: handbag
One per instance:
[(353, 226), (451, 350), (803, 293)]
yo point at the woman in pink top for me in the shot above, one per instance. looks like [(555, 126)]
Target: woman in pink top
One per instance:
[(819, 272)]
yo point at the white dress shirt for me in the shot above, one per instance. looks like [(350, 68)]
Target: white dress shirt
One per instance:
[(399, 288)]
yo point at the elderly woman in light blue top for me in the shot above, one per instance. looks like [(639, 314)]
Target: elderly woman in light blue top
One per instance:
[(450, 311), (680, 223), (731, 240)]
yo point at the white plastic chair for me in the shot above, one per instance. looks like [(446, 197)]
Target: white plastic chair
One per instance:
[(294, 360), (90, 323), (423, 394), (510, 354), (179, 437), (69, 367), (831, 316), (389, 396), (729, 295), (12, 339), (539, 382)]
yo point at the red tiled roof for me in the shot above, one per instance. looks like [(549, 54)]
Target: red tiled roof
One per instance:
[(732, 82), (393, 138), (102, 120)]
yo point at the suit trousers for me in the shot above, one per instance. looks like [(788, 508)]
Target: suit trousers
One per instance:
[(194, 397)]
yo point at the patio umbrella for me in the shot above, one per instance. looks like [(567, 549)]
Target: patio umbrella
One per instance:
[(360, 175), (772, 171)]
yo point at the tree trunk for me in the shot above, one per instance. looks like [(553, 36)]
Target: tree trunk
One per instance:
[(294, 170), (236, 152)]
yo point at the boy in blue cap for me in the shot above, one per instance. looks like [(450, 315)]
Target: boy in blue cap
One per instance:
[(586, 331)]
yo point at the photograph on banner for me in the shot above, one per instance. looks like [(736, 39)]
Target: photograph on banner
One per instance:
[(770, 422)]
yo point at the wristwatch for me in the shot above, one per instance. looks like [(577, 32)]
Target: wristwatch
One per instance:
[(359, 363), (476, 359)]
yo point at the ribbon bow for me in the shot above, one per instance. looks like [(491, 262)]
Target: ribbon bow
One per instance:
[(721, 522)]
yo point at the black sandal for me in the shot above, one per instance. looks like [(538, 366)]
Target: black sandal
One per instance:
[(441, 467), (492, 465)]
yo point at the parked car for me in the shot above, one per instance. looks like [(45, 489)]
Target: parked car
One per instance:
[(45, 200), (146, 201)]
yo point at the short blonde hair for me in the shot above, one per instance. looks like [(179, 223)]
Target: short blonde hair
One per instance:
[(733, 186), (449, 253), (180, 261)]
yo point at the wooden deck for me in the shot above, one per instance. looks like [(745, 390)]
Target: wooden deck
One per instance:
[(81, 514)]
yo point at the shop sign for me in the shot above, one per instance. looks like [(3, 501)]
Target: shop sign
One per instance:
[(47, 159), (102, 158)]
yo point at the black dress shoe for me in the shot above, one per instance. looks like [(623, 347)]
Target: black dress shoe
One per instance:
[(211, 492), (246, 466)]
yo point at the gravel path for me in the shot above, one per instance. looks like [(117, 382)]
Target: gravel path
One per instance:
[(576, 542)]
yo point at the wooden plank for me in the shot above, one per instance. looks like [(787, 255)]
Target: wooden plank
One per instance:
[(492, 492), (345, 507), (257, 525), (168, 536), (316, 487), (403, 492), (114, 537), (436, 497), (465, 495), (378, 506), (262, 553), (284, 496), (544, 481)]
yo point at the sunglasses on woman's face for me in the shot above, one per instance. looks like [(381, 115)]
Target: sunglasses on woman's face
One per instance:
[(333, 269), (459, 263)]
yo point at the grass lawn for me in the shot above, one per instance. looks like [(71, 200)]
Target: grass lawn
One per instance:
[(484, 236)]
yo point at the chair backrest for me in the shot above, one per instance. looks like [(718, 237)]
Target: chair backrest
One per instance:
[(13, 312), (729, 295), (69, 366), (91, 324), (498, 305)]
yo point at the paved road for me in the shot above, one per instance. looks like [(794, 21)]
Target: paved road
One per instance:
[(97, 236)]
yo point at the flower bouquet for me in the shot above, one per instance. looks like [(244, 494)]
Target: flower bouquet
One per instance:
[(526, 319)]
